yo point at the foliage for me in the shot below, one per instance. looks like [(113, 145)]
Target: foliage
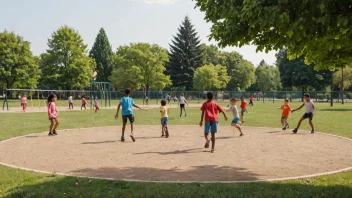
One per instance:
[(66, 64), (347, 78), (241, 71), (18, 67), (297, 73), (140, 65), (318, 30), (268, 78), (210, 77), (185, 55), (102, 53)]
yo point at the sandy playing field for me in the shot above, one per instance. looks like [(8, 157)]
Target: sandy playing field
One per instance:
[(262, 154)]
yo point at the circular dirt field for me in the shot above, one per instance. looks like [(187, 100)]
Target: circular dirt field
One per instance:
[(262, 154)]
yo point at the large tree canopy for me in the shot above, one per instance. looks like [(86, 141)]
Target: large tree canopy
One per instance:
[(211, 77), (185, 55), (103, 55), (140, 65), (318, 30), (18, 67), (268, 78), (66, 64)]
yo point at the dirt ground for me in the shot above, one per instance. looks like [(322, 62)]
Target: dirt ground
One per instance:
[(262, 154)]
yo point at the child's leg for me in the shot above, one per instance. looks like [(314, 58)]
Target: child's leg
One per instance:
[(299, 122), (286, 122), (206, 136), (56, 124), (184, 108), (282, 122), (239, 128), (212, 141), (181, 111), (123, 129), (51, 125), (81, 106), (311, 124)]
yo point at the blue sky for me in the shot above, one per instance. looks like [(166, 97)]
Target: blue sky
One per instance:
[(125, 21)]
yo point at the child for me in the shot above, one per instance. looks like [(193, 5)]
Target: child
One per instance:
[(210, 110), (127, 113), (251, 98), (286, 109), (243, 108), (164, 111), (168, 98), (310, 108), (175, 99), (24, 103), (52, 113), (182, 103), (236, 118), (84, 102), (70, 102), (146, 100), (96, 103)]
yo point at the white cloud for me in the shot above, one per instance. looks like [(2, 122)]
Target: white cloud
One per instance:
[(163, 2)]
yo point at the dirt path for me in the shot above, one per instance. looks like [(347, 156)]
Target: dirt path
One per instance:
[(263, 154)]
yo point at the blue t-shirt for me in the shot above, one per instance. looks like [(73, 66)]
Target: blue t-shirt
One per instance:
[(127, 103)]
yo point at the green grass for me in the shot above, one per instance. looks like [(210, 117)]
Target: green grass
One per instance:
[(19, 183)]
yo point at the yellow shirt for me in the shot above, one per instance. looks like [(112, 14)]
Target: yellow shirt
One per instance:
[(163, 112)]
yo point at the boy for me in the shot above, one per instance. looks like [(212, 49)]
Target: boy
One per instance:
[(251, 98), (236, 118), (286, 109), (84, 102), (210, 110), (310, 108), (127, 113), (164, 111), (96, 103), (70, 102), (182, 103), (243, 108)]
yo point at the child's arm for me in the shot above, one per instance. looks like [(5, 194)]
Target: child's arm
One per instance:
[(298, 108), (201, 118), (136, 106), (118, 109), (223, 114), (313, 107), (186, 102)]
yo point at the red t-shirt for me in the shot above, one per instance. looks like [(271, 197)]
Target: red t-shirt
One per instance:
[(243, 105), (211, 111), (285, 110)]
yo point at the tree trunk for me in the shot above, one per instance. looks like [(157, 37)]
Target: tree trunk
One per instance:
[(302, 93), (342, 87)]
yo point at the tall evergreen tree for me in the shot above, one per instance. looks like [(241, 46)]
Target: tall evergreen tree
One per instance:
[(102, 53), (184, 55)]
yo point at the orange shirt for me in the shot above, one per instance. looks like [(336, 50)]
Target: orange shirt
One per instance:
[(243, 105), (285, 110)]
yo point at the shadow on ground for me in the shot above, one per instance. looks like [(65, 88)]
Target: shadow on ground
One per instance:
[(55, 187), (335, 110)]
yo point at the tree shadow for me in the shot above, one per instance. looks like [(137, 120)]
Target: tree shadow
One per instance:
[(172, 152), (31, 136), (335, 109), (274, 131), (154, 137), (103, 142)]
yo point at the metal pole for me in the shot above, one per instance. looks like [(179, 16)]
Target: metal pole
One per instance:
[(342, 85), (273, 97), (109, 95), (332, 89)]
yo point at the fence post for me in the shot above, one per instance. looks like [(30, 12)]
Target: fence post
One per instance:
[(273, 97), (198, 97)]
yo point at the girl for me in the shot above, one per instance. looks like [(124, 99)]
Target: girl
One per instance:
[(70, 102), (52, 113), (96, 103), (24, 103), (84, 102)]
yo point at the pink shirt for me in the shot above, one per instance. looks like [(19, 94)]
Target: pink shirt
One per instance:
[(23, 100), (52, 111)]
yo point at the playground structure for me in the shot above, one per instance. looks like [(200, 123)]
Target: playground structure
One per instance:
[(102, 91)]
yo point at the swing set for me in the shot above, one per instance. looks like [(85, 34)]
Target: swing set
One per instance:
[(101, 90)]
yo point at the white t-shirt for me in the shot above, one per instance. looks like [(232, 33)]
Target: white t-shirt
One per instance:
[(234, 111), (309, 106), (182, 100)]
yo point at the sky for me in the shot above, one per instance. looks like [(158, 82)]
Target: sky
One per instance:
[(124, 21)]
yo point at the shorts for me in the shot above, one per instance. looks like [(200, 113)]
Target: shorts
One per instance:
[(236, 120), (97, 106), (308, 115), (242, 112), (284, 117), (130, 118), (51, 119), (164, 121), (182, 106), (211, 126)]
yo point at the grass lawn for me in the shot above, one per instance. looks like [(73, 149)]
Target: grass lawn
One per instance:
[(19, 183)]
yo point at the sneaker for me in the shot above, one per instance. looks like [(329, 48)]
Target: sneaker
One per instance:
[(212, 150), (185, 115), (54, 132), (241, 134), (50, 133), (166, 132), (287, 126), (162, 135), (132, 137), (180, 115), (122, 138), (294, 130), (312, 132), (284, 128), (207, 144)]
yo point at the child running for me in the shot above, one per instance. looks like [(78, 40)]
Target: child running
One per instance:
[(24, 103), (310, 108), (286, 109), (96, 103), (127, 113), (251, 98), (84, 102), (210, 110), (164, 111), (53, 114), (236, 118), (243, 109), (182, 103), (70, 102)]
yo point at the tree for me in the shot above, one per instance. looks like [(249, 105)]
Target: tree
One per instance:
[(347, 78), (295, 73), (140, 65), (18, 67), (242, 76), (103, 55), (268, 78), (185, 55), (210, 54), (66, 64), (318, 30), (210, 77)]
